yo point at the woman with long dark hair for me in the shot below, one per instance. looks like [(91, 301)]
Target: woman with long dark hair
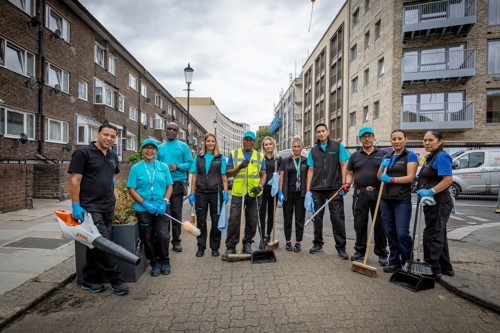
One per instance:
[(396, 199)]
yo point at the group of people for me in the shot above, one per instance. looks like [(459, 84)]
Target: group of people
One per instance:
[(157, 185)]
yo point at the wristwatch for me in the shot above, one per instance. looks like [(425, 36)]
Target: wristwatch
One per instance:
[(166, 200), (178, 166)]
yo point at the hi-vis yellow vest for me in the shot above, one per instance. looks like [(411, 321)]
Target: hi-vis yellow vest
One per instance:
[(253, 170)]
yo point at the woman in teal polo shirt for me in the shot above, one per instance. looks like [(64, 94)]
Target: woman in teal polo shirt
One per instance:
[(209, 179), (150, 185)]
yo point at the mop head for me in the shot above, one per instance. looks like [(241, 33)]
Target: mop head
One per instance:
[(364, 269), (187, 226)]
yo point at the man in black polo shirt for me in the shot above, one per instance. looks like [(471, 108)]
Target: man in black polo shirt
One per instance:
[(363, 167), (94, 170)]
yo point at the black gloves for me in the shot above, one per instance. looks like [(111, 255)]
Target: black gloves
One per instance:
[(256, 190), (243, 164)]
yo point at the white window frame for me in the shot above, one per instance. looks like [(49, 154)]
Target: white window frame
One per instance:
[(170, 110), (159, 122), (144, 118), (26, 117), (105, 90), (112, 64), (27, 6), (157, 99), (144, 90), (87, 134), (131, 142), (99, 49), (121, 103), (64, 84), (65, 25), (151, 122), (63, 128), (133, 82), (86, 89), (133, 111), (365, 113), (381, 67), (161, 103), (28, 58)]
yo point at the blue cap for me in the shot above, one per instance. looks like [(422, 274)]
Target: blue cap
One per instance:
[(250, 134), (364, 130), (149, 141)]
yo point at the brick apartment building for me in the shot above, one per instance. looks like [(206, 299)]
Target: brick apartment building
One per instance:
[(62, 74)]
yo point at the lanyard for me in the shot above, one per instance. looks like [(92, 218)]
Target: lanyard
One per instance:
[(297, 167), (153, 179)]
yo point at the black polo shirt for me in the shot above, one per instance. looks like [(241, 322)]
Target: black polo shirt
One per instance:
[(365, 167), (97, 170)]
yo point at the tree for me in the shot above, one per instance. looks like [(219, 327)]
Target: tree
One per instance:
[(259, 137)]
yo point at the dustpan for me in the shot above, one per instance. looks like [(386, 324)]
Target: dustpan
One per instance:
[(262, 256), (411, 281)]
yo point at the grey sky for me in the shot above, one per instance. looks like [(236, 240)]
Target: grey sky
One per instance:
[(242, 51)]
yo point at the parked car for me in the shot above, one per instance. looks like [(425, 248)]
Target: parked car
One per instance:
[(230, 183)]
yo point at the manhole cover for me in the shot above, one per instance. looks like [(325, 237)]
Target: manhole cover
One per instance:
[(38, 243)]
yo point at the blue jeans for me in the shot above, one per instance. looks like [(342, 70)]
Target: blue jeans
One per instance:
[(396, 215)]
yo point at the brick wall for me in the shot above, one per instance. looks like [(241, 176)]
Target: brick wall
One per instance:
[(16, 186), (51, 181)]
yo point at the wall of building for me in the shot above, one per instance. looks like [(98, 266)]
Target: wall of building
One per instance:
[(16, 186)]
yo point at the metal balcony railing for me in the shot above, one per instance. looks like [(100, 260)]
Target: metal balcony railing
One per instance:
[(438, 18), (438, 66), (442, 116)]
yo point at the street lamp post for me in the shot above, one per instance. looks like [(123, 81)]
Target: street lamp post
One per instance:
[(225, 154), (188, 72), (215, 128)]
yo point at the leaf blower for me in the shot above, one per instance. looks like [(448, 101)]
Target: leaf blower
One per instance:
[(88, 234)]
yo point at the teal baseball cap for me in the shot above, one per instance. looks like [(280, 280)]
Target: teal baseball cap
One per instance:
[(364, 130), (250, 134), (149, 141)]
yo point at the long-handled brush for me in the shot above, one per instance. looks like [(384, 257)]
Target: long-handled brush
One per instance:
[(275, 243), (187, 226), (363, 268), (239, 256)]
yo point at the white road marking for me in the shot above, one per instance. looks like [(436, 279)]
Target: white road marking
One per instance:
[(473, 223), (463, 232), (457, 218), (478, 218)]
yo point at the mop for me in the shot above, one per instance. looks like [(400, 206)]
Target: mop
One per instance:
[(187, 226)]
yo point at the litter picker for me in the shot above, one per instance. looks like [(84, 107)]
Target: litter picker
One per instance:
[(187, 226), (322, 207), (262, 256), (239, 256), (275, 243), (193, 215)]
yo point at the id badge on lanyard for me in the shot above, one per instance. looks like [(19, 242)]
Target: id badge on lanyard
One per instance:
[(297, 167)]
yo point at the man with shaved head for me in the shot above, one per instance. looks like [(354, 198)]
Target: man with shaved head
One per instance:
[(177, 155)]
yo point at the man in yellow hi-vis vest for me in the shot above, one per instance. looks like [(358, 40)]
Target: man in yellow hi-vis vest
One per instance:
[(254, 183)]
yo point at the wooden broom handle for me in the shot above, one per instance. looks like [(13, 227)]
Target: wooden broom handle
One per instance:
[(274, 215), (242, 210)]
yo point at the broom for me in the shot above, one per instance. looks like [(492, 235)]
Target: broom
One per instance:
[(239, 256), (187, 226), (363, 268), (275, 243)]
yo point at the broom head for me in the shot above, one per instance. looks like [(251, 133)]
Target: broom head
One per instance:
[(364, 269), (273, 245), (238, 257), (187, 226)]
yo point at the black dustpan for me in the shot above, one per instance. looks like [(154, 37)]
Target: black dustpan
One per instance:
[(411, 281), (262, 256)]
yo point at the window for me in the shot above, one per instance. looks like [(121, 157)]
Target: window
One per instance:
[(112, 65), (352, 119), (27, 6), (58, 76), (365, 113), (151, 122), (159, 122), (82, 90), (86, 134), (367, 4), (376, 110), (494, 56), (103, 93), (161, 103), (131, 142), (367, 76), (378, 27), (157, 100), (13, 123), (494, 12), (16, 58), (144, 118), (144, 90), (472, 160), (367, 39), (121, 102), (54, 21), (381, 67), (133, 82), (99, 55), (56, 131), (132, 113), (355, 17), (354, 52), (355, 84), (493, 106)]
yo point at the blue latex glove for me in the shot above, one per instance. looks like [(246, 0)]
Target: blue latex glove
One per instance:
[(78, 211), (225, 198), (425, 193), (308, 202), (191, 199), (281, 197), (385, 163), (114, 182), (385, 178), (149, 207), (415, 179), (162, 208)]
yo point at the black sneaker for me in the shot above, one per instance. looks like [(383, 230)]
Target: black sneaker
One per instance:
[(155, 271), (200, 252), (177, 248), (289, 246), (449, 273), (93, 287), (165, 269), (228, 251), (247, 248), (358, 256), (316, 249), (215, 253), (383, 261), (296, 248), (343, 255), (120, 289), (391, 268)]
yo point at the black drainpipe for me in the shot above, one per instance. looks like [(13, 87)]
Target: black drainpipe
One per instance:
[(41, 60), (139, 112)]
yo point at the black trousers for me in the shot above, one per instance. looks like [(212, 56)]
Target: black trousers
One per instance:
[(337, 218), (435, 241), (155, 236), (98, 261), (202, 201), (364, 203), (176, 208), (233, 228), (267, 206), (294, 201)]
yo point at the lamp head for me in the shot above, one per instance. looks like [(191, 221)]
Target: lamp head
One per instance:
[(188, 71)]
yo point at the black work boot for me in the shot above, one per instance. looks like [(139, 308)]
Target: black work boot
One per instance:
[(228, 251), (247, 248)]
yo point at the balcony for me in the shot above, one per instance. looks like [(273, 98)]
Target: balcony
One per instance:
[(298, 81), (437, 66), (438, 18), (450, 116)]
